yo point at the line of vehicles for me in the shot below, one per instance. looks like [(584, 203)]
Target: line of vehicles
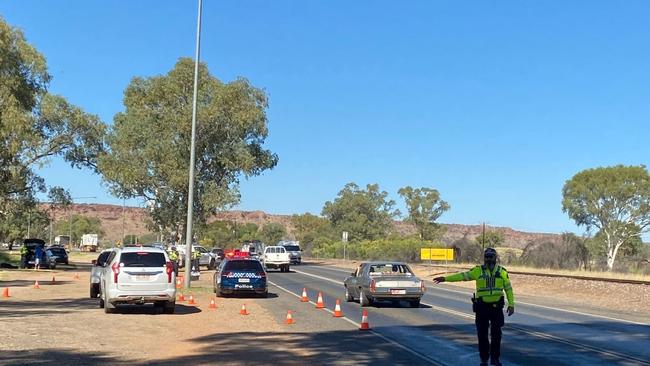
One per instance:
[(145, 274)]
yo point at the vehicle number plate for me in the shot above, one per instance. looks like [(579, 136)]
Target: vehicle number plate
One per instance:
[(244, 280), (142, 277), (397, 292)]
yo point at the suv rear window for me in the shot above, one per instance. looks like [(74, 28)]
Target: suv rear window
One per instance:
[(143, 259), (101, 260), (292, 248), (244, 265)]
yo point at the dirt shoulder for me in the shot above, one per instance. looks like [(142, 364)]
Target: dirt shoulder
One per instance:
[(624, 301), (59, 324)]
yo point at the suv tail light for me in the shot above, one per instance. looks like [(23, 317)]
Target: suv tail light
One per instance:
[(170, 269), (116, 271), (226, 273), (373, 285), (261, 274)]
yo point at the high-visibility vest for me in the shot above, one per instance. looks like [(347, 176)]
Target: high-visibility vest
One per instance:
[(24, 250), (490, 284)]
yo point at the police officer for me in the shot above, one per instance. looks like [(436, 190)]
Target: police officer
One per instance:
[(23, 256), (173, 257), (196, 256), (491, 281)]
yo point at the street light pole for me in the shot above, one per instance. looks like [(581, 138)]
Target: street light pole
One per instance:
[(190, 189)]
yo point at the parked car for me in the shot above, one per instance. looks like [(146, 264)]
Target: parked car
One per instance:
[(48, 261), (137, 276), (295, 253), (95, 271), (377, 281), (59, 253), (240, 275), (276, 257), (207, 259), (218, 253)]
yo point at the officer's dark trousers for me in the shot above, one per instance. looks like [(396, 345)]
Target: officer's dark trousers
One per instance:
[(489, 316)]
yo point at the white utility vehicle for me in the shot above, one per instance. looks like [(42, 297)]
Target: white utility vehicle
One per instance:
[(276, 257)]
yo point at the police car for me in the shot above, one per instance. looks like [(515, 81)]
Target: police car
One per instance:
[(240, 275)]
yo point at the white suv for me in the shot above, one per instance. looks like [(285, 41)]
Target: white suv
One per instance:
[(138, 275)]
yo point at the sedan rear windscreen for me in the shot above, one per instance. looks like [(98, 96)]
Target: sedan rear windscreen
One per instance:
[(143, 259), (244, 265)]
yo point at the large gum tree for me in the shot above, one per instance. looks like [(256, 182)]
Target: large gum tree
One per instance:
[(615, 200), (149, 144)]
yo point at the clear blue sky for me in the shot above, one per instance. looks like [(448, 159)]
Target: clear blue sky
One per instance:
[(495, 104)]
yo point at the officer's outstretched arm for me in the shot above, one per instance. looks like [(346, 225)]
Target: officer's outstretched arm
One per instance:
[(471, 275), (507, 286)]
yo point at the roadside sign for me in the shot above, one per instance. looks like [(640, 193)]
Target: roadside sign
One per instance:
[(436, 254), (344, 237)]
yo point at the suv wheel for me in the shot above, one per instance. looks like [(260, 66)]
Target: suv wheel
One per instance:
[(108, 307), (94, 290), (169, 307)]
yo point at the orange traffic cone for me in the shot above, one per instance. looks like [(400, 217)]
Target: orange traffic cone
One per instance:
[(36, 285), (53, 280), (289, 318), (320, 304), (191, 302), (76, 276), (337, 309), (5, 292), (364, 320), (243, 310), (179, 284), (181, 297), (213, 305), (304, 297)]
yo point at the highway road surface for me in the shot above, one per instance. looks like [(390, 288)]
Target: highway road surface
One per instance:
[(442, 332)]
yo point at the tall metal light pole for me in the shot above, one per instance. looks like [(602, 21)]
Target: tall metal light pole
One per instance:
[(190, 189)]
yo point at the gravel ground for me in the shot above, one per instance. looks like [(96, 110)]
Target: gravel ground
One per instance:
[(59, 324)]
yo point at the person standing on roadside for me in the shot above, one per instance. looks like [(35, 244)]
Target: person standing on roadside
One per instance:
[(24, 252), (38, 257), (173, 257), (491, 282), (196, 259)]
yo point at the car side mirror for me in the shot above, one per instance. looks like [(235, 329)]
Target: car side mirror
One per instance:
[(94, 262)]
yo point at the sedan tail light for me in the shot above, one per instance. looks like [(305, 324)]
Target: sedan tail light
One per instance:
[(116, 271), (422, 287), (373, 285), (170, 269)]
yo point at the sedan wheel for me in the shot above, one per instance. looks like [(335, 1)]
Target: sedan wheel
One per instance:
[(363, 299), (348, 296)]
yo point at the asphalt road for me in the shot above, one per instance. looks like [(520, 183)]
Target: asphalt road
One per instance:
[(442, 330)]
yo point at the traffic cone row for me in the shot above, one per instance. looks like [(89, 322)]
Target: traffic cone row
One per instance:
[(191, 301), (5, 292), (181, 297), (76, 276), (213, 304), (338, 313), (53, 280), (36, 285), (243, 310), (179, 284)]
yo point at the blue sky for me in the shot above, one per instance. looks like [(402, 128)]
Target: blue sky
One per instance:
[(495, 104)]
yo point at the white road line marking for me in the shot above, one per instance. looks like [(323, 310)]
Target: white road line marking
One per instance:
[(391, 341), (525, 303), (533, 333)]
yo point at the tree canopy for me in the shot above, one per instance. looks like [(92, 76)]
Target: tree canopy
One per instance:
[(424, 207), (366, 214), (149, 144), (615, 200), (272, 233), (80, 225), (36, 125)]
